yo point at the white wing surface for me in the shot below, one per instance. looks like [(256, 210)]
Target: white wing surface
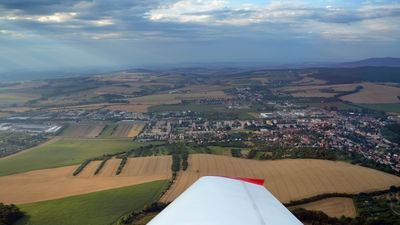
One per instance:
[(225, 201)]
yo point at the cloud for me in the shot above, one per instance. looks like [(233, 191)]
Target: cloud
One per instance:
[(143, 31), (195, 19), (220, 12)]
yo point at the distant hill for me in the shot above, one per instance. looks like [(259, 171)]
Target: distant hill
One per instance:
[(380, 62), (358, 74)]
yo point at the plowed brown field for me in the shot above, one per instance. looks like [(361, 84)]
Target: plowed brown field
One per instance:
[(334, 207), (83, 130), (288, 180), (40, 185)]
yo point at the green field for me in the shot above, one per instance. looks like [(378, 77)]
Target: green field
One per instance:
[(108, 130), (383, 107), (63, 153), (99, 208)]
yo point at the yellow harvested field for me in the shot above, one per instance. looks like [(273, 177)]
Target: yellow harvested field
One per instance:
[(312, 93), (147, 166), (90, 169), (336, 87), (175, 98), (203, 88), (110, 168), (141, 104), (83, 130), (315, 90), (130, 107), (3, 114), (18, 109), (289, 179), (307, 80), (374, 94), (41, 185), (78, 108), (135, 130), (333, 207), (128, 130), (371, 93)]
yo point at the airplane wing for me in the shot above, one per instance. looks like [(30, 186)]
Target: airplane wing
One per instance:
[(225, 201)]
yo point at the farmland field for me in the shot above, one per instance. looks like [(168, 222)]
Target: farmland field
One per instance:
[(127, 130), (142, 104), (374, 94), (63, 152), (47, 184), (290, 179), (108, 130), (371, 93), (100, 208), (83, 130), (188, 106), (394, 107), (333, 207), (317, 90), (15, 98)]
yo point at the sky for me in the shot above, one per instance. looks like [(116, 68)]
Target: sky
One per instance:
[(45, 35)]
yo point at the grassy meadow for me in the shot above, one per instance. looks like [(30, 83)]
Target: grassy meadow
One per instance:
[(63, 152), (98, 208)]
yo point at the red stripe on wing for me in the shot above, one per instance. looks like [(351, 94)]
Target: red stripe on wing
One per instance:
[(249, 180)]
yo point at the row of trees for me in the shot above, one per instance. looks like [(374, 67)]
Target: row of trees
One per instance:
[(371, 207), (101, 165), (81, 167), (122, 165), (134, 216)]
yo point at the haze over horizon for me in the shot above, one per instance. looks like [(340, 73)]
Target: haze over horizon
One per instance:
[(55, 34)]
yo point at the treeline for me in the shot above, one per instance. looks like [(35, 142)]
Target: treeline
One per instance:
[(320, 218), (81, 167), (112, 98), (122, 165), (372, 210), (135, 216), (176, 162), (236, 152), (185, 157), (392, 132), (101, 165), (9, 214), (275, 152), (179, 153), (234, 144), (180, 156), (104, 158)]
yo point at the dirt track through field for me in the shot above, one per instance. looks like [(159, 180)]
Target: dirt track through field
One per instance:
[(334, 207), (40, 185), (288, 180)]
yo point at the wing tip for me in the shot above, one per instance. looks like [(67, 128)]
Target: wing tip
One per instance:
[(248, 180)]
